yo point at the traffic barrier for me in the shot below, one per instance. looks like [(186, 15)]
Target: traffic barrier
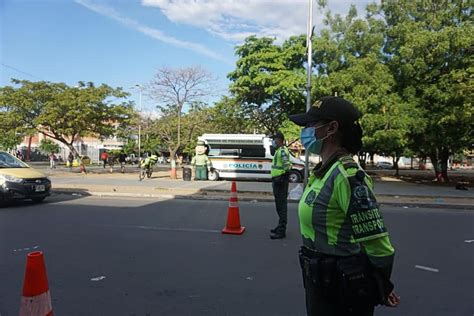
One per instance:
[(233, 218), (36, 299)]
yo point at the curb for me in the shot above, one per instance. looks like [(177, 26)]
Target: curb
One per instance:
[(242, 199), (377, 195)]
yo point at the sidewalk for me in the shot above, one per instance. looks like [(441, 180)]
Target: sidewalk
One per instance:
[(388, 190)]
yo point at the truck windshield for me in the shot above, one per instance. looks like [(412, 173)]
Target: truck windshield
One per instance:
[(245, 151)]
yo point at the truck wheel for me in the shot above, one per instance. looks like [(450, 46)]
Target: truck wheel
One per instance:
[(294, 176), (213, 175)]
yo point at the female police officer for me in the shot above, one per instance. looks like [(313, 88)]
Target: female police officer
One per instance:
[(346, 256)]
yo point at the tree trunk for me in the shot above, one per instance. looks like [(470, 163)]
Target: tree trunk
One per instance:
[(443, 161), (173, 152), (173, 174), (72, 149), (440, 165), (395, 165), (28, 151)]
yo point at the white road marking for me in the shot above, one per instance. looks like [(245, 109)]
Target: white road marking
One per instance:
[(25, 249), (426, 268), (194, 230), (98, 278), (469, 241)]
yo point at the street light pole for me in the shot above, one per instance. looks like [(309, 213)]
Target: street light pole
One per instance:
[(309, 51), (139, 123)]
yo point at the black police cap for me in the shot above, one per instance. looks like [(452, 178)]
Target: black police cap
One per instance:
[(328, 108), (278, 135)]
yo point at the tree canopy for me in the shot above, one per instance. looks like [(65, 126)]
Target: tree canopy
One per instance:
[(430, 47), (269, 79), (62, 112), (173, 89), (407, 66)]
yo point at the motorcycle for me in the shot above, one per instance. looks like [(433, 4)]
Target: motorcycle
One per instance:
[(146, 167)]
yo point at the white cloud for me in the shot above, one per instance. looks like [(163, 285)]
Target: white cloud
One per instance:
[(233, 20), (151, 32)]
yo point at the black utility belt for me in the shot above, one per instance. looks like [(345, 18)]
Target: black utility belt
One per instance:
[(349, 280), (281, 178), (309, 253)]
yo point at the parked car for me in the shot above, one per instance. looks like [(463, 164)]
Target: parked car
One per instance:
[(132, 159), (19, 181), (384, 165)]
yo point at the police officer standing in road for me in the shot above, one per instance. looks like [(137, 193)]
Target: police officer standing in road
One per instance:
[(280, 167), (346, 257)]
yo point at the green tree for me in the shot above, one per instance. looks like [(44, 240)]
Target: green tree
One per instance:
[(429, 47), (228, 116), (350, 62), (48, 146), (269, 79), (10, 137), (290, 130), (173, 89), (163, 132), (61, 112)]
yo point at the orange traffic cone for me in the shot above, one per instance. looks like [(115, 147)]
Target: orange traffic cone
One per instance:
[(233, 217), (36, 300)]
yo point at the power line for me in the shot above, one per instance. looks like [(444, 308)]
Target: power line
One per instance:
[(18, 70)]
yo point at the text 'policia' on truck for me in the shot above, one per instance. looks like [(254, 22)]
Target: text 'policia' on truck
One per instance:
[(244, 156)]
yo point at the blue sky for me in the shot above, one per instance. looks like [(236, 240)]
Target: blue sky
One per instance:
[(123, 42)]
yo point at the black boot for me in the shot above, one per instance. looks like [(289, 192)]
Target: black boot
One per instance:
[(274, 230), (279, 234)]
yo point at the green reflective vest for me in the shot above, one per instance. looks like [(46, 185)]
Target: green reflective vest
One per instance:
[(281, 162), (338, 214)]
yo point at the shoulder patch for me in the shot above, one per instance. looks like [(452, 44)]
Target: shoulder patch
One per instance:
[(310, 198), (362, 198), (364, 214)]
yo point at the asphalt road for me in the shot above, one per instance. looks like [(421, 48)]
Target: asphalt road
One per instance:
[(168, 257)]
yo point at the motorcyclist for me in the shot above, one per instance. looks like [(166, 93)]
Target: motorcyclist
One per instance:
[(149, 161)]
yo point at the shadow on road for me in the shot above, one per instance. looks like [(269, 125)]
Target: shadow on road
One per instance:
[(53, 198)]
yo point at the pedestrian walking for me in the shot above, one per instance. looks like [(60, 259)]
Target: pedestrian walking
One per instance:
[(70, 160), (280, 167), (81, 163), (52, 161), (122, 158), (346, 257), (104, 156), (111, 162), (20, 156)]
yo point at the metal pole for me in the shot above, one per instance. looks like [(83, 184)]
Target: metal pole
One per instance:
[(309, 52), (140, 125)]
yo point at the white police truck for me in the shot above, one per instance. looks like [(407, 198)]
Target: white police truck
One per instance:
[(245, 156)]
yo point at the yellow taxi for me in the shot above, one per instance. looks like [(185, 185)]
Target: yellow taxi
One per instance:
[(19, 181)]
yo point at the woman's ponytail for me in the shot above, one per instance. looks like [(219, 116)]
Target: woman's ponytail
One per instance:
[(352, 138)]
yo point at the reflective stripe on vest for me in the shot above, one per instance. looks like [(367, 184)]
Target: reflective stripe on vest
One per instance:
[(281, 162)]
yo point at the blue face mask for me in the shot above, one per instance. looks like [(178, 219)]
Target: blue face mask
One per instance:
[(309, 140)]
